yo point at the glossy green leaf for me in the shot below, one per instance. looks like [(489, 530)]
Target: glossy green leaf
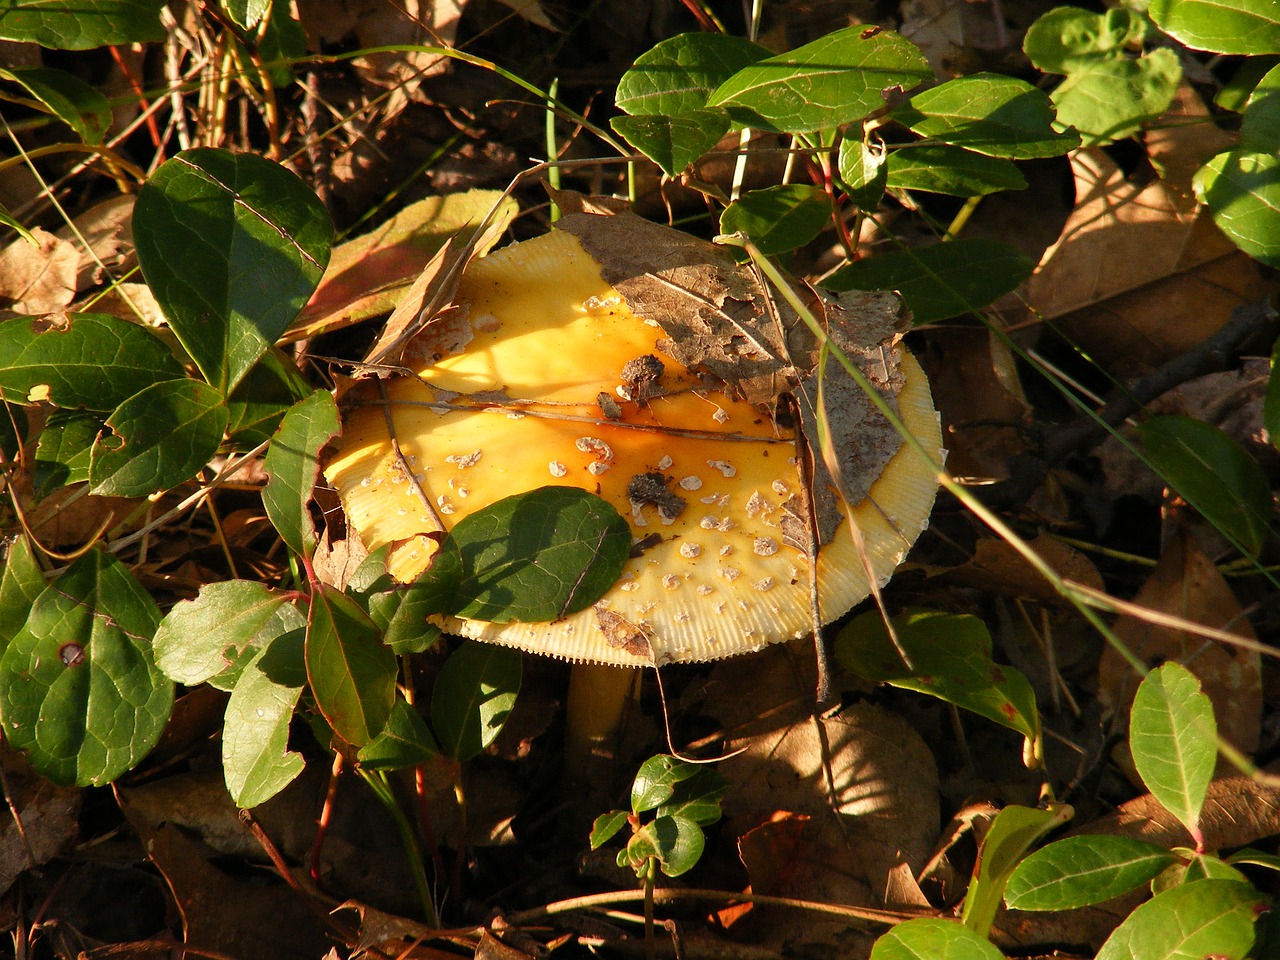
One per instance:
[(64, 450), (76, 25), (80, 692), (780, 218), (473, 697), (1107, 100), (954, 171), (202, 638), (606, 826), (990, 114), (1014, 831), (404, 742), (941, 281), (1260, 126), (864, 169), (834, 80), (927, 938), (1209, 918), (1214, 474), (293, 463), (247, 13), (676, 843), (351, 673), (679, 74), (1069, 37), (81, 107), (260, 401), (232, 245), (401, 610), (697, 799), (655, 782), (158, 438), (1206, 867), (256, 760), (950, 659), (1257, 858), (673, 143), (1220, 26), (86, 360), (1080, 871), (20, 584), (1242, 190), (1173, 739), (538, 556)]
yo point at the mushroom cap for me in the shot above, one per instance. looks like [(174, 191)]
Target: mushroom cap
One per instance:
[(509, 398)]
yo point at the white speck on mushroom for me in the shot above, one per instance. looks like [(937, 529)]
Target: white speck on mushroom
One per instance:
[(464, 491), (726, 550), (691, 483), (597, 467), (720, 607), (689, 550), (402, 512), (730, 573), (724, 466), (599, 304), (366, 482), (464, 460), (709, 523), (637, 515), (705, 590), (596, 447), (630, 586), (515, 415), (725, 524), (720, 416), (486, 322), (780, 488), (646, 608), (764, 585), (665, 463), (794, 461), (764, 546), (665, 518), (443, 503), (672, 581), (557, 468), (623, 391), (682, 617), (755, 504), (398, 477)]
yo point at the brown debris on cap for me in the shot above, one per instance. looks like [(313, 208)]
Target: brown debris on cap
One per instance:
[(694, 460)]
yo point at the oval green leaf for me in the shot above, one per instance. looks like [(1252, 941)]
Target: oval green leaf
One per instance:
[(941, 281), (1208, 918), (81, 107), (1220, 26), (75, 25), (825, 84), (473, 696), (79, 688), (1173, 739), (1214, 474), (260, 401), (929, 939), (158, 438), (675, 842), (1014, 831), (1068, 37), (293, 463), (864, 169), (404, 742), (778, 219), (1260, 125), (21, 583), (232, 245), (655, 781), (673, 143), (538, 556), (64, 450), (351, 673), (606, 826), (1080, 871), (989, 114), (954, 171), (85, 360), (1107, 100), (1242, 190), (680, 73)]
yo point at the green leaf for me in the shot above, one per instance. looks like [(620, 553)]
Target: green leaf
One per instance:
[(954, 171), (1173, 738), (205, 637), (697, 799), (1209, 918), (1066, 38), (1107, 100), (81, 107), (941, 281), (606, 827), (1013, 832), (673, 143), (401, 610), (864, 169), (1214, 474), (232, 245), (538, 556), (21, 583), (260, 401), (352, 675), (86, 360), (293, 463), (989, 114), (1203, 867), (246, 13), (404, 742), (1256, 858), (1080, 871), (676, 843), (64, 450), (825, 84), (76, 25), (7, 219), (656, 780), (79, 688), (161, 436), (1220, 26), (778, 219), (282, 43), (680, 73), (1242, 190), (927, 938), (1260, 126), (950, 659), (256, 760), (473, 696)]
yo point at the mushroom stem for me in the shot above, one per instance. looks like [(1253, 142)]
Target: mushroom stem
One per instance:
[(599, 696)]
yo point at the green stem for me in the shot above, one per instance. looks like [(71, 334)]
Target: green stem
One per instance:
[(382, 790)]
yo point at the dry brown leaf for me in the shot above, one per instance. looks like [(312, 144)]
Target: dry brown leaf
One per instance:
[(107, 229), (997, 567), (1188, 585), (38, 278), (50, 820)]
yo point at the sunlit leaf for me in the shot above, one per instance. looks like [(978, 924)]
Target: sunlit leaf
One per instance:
[(927, 938), (1080, 871), (473, 696), (673, 143), (864, 169), (405, 741), (1107, 100), (64, 450), (76, 25), (81, 107), (955, 171), (293, 463), (1220, 26), (1014, 831), (679, 74), (351, 673), (675, 842), (606, 827), (20, 584), (1260, 125), (1242, 191), (1208, 918), (779, 218)]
